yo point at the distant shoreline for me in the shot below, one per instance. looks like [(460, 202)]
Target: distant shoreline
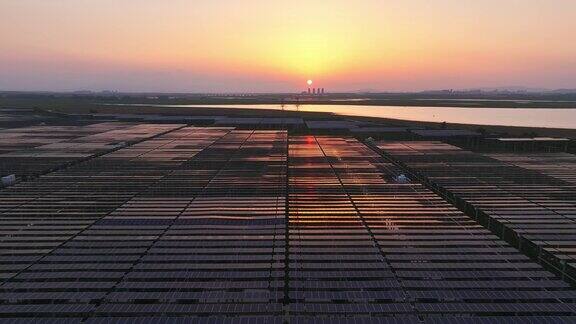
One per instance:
[(518, 117), (83, 105), (541, 101), (326, 103)]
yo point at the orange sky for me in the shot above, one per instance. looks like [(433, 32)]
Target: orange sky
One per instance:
[(255, 45)]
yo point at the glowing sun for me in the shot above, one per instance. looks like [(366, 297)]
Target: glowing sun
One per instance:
[(309, 82)]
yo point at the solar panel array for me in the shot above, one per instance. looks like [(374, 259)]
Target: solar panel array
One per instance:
[(363, 245), (190, 223), (558, 165), (535, 209), (50, 263), (219, 225), (15, 139), (30, 151), (19, 117), (219, 250)]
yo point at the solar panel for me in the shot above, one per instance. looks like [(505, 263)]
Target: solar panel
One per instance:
[(250, 226)]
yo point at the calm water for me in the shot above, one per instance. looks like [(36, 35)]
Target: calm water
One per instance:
[(528, 117)]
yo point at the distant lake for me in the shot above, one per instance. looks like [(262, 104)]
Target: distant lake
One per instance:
[(523, 117)]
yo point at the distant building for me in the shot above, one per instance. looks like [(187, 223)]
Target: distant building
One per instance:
[(315, 91)]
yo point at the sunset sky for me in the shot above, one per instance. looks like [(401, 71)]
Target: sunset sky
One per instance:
[(257, 45)]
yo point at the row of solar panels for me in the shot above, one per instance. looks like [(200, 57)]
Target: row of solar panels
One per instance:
[(31, 151), (373, 241), (525, 194), (198, 223), (126, 265), (561, 166)]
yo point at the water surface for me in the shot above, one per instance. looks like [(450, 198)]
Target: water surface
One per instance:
[(524, 117)]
